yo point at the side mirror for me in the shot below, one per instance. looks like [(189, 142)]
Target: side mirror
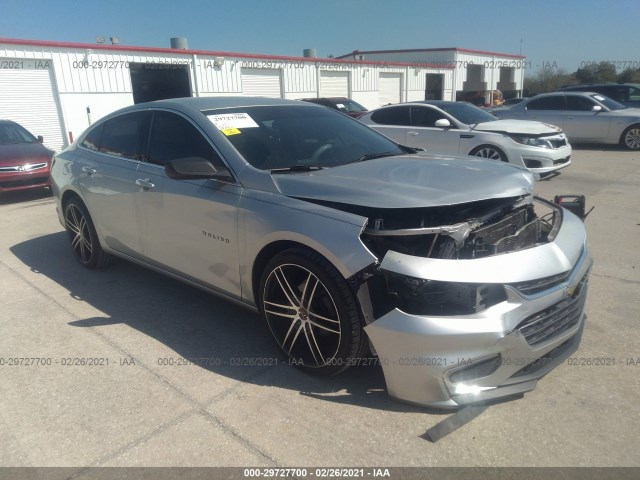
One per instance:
[(194, 168), (596, 108), (40, 139), (443, 123)]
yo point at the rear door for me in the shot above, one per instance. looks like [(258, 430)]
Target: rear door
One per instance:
[(108, 159), (546, 109), (394, 122), (188, 227)]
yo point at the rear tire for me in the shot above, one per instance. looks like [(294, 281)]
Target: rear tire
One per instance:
[(311, 312), (630, 139), (83, 237)]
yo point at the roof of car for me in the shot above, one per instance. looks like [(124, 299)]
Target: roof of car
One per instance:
[(563, 92), (606, 84), (206, 103)]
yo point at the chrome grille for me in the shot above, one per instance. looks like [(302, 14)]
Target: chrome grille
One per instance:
[(541, 284), (556, 319), (24, 168), (558, 142)]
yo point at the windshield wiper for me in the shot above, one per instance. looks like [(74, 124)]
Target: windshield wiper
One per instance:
[(371, 156), (297, 168)]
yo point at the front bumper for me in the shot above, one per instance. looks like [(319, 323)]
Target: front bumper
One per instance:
[(540, 160), (38, 178), (451, 361)]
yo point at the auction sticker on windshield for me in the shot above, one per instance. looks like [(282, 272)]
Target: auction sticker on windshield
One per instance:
[(228, 121)]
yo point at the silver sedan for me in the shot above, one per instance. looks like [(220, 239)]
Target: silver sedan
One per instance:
[(585, 117), (447, 270)]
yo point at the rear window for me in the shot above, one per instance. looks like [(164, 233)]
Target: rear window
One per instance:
[(392, 116)]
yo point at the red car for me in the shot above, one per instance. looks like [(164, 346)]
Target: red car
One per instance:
[(24, 161)]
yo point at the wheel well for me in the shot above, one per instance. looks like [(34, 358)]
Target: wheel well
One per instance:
[(68, 195), (635, 125), (266, 254)]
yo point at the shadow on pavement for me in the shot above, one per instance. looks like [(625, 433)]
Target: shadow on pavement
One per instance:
[(18, 196), (195, 325)]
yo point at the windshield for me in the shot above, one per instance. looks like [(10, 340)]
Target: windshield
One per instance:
[(349, 106), (12, 133), (607, 102), (466, 113), (280, 137)]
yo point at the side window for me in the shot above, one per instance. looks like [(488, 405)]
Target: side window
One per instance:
[(392, 116), (173, 137), (634, 94), (425, 116), (92, 140), (126, 135), (582, 104), (547, 103)]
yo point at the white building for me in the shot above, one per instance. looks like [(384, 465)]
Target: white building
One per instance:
[(57, 89), (474, 74)]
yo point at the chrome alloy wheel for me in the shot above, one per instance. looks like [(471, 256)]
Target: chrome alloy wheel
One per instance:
[(489, 153), (302, 315), (79, 234), (632, 138)]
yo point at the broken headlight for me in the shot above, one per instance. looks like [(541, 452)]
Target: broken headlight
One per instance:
[(418, 296)]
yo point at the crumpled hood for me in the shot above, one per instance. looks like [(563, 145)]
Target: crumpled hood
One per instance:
[(518, 126), (409, 182)]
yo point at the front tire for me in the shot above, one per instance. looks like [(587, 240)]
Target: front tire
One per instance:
[(489, 152), (83, 237), (311, 312), (631, 137)]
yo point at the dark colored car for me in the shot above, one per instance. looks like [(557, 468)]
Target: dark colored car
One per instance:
[(514, 101), (628, 94), (24, 161), (343, 104)]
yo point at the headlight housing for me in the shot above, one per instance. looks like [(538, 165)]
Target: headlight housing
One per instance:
[(418, 296), (532, 141)]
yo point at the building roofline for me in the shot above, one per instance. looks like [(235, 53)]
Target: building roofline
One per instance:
[(129, 48), (420, 50)]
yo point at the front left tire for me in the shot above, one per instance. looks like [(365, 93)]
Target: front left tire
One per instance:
[(83, 237), (311, 312), (489, 152)]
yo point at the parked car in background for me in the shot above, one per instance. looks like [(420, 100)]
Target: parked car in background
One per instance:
[(344, 104), (339, 237), (628, 94), (513, 101), (441, 126), (24, 161), (586, 117)]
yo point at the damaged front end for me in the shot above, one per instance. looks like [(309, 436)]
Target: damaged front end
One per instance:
[(475, 301)]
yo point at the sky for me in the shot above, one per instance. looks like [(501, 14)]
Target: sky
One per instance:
[(552, 34)]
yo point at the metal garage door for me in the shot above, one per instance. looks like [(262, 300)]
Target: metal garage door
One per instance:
[(390, 88), (334, 84), (261, 82), (26, 97)]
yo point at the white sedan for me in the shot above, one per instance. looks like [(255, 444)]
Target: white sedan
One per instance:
[(459, 127)]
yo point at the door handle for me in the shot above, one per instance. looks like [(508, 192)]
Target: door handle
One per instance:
[(413, 134), (88, 170), (144, 183)]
